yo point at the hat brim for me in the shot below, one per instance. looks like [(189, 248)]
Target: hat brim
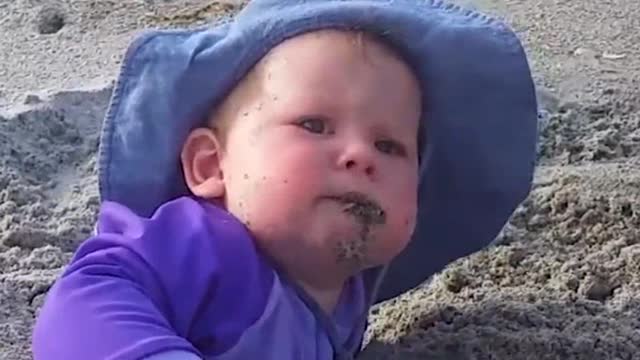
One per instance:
[(480, 124)]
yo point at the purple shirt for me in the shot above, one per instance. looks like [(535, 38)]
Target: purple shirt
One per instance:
[(187, 279)]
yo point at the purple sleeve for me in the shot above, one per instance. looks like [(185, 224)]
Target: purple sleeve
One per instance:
[(174, 355), (145, 286)]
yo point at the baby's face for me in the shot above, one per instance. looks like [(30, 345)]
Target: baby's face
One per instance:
[(321, 164)]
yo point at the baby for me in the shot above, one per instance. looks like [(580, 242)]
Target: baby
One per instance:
[(302, 186), (327, 184)]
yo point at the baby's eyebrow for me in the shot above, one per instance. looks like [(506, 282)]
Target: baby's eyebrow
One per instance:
[(395, 128)]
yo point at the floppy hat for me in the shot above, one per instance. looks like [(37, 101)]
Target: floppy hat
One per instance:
[(480, 118)]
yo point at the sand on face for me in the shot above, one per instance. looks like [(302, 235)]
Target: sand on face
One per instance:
[(561, 282)]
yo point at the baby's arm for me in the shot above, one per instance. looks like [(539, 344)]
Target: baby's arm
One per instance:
[(143, 287), (114, 300), (174, 355)]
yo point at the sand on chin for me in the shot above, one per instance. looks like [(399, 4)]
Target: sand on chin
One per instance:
[(561, 282)]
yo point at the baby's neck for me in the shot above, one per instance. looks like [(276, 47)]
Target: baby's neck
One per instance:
[(324, 283), (326, 297)]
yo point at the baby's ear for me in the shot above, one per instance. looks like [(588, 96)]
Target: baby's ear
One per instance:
[(200, 159)]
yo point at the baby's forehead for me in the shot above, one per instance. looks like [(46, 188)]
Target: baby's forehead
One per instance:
[(314, 59), (322, 43), (287, 71)]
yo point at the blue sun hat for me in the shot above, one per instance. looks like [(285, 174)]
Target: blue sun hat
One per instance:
[(480, 121)]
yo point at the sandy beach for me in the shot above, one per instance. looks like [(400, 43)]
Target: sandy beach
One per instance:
[(561, 282)]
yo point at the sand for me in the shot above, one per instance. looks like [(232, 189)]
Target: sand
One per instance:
[(561, 282)]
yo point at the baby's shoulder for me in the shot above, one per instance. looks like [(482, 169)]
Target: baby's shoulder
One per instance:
[(203, 258), (184, 228), (189, 270), (183, 236)]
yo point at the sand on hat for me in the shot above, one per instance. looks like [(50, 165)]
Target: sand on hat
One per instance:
[(562, 281)]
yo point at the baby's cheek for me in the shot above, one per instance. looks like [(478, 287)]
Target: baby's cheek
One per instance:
[(240, 208), (405, 209), (400, 228), (245, 198), (409, 223)]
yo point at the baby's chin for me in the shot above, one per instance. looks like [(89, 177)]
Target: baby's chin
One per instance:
[(331, 235), (357, 249), (359, 256), (350, 239)]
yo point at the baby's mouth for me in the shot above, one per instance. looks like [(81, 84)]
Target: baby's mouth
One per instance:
[(359, 205)]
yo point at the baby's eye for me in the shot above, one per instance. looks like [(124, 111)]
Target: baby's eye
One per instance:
[(390, 147), (314, 125)]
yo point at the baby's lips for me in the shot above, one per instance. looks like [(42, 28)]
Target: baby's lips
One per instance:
[(361, 206)]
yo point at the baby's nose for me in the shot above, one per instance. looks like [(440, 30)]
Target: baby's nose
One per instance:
[(358, 158)]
